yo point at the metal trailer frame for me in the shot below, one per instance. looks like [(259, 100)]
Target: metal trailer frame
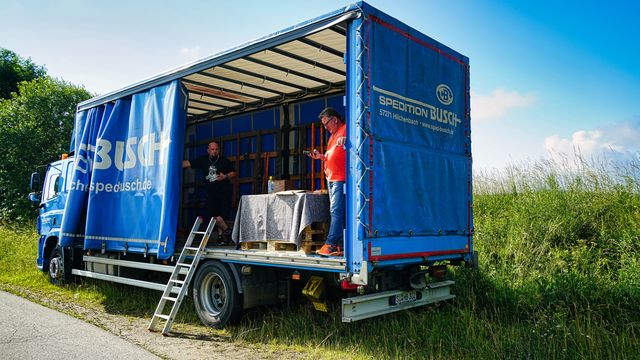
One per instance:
[(353, 308)]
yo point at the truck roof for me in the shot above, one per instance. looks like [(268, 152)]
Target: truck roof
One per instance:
[(300, 61)]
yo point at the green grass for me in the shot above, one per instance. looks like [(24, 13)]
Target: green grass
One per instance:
[(559, 278), (18, 272)]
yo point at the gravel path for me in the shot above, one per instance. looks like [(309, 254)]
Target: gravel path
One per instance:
[(185, 342), (32, 331)]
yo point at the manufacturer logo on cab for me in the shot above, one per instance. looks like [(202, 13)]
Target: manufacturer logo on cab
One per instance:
[(444, 94)]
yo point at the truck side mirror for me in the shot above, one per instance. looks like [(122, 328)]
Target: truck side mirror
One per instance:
[(34, 197), (35, 184)]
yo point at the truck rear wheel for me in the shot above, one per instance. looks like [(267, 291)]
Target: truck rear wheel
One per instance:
[(215, 295)]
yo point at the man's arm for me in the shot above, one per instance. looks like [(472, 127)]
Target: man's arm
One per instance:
[(227, 171), (230, 175), (186, 164)]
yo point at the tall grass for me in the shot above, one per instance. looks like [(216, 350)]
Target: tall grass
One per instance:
[(19, 274), (559, 278), (18, 253)]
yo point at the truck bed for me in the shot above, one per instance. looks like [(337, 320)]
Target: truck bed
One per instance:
[(280, 258)]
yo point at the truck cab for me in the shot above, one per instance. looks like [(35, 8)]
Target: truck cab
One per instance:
[(51, 199)]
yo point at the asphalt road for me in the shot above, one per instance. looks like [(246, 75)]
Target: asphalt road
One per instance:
[(32, 331)]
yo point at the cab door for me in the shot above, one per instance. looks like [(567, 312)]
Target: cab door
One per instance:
[(52, 202)]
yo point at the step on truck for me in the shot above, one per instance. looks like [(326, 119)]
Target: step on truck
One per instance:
[(120, 207)]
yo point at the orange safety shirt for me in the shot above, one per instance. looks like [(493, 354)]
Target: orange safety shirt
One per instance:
[(335, 163)]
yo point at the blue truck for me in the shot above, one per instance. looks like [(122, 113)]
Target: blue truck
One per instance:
[(119, 206)]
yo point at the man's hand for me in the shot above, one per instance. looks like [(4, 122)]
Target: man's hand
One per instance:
[(341, 141), (316, 155)]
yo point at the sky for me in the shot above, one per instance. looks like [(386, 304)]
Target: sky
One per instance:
[(547, 77)]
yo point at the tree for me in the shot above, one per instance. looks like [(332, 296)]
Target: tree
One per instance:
[(35, 128), (14, 69)]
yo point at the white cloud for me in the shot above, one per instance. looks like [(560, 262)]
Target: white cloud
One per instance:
[(495, 105), (191, 53), (621, 138), (584, 141)]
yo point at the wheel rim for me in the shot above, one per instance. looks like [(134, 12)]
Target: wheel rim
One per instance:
[(213, 296), (55, 268)]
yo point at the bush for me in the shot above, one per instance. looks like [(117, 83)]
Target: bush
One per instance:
[(35, 128)]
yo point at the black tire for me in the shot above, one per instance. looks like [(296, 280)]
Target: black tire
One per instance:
[(215, 295), (56, 266)]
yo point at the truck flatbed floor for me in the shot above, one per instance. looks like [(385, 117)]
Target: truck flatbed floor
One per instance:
[(281, 258)]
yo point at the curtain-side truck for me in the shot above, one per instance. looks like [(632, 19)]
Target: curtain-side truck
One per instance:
[(119, 207)]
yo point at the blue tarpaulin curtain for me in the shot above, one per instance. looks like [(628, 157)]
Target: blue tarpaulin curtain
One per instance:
[(421, 145), (125, 188)]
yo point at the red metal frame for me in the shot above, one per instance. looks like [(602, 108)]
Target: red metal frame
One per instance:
[(413, 255)]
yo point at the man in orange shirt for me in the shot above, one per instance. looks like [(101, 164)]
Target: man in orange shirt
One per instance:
[(335, 170)]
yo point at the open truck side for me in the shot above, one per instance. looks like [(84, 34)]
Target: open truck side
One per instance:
[(122, 204)]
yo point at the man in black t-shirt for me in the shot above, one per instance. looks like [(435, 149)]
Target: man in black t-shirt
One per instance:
[(218, 170)]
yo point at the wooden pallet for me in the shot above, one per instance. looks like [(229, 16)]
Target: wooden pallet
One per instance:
[(268, 245), (307, 247), (312, 239), (253, 245), (310, 247), (316, 232), (313, 236), (324, 226), (277, 245)]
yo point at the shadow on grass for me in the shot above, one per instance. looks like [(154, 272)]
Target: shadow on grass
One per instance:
[(567, 316)]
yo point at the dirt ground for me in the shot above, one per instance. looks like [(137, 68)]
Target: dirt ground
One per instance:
[(185, 342)]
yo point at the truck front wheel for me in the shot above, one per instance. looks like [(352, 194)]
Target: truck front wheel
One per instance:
[(215, 295), (56, 266)]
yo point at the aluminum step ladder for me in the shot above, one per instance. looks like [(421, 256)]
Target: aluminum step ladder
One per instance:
[(179, 280)]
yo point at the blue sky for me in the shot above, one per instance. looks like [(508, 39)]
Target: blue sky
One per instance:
[(546, 76)]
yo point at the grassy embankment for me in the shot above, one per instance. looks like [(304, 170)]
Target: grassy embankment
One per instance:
[(559, 278)]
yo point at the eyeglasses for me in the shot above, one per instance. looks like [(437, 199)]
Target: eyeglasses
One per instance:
[(325, 123)]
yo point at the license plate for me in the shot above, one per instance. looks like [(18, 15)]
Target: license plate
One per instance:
[(404, 298)]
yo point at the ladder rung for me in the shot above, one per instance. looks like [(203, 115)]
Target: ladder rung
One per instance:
[(181, 285)]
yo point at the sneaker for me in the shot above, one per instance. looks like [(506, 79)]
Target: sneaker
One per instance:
[(330, 250), (226, 236), (220, 239)]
